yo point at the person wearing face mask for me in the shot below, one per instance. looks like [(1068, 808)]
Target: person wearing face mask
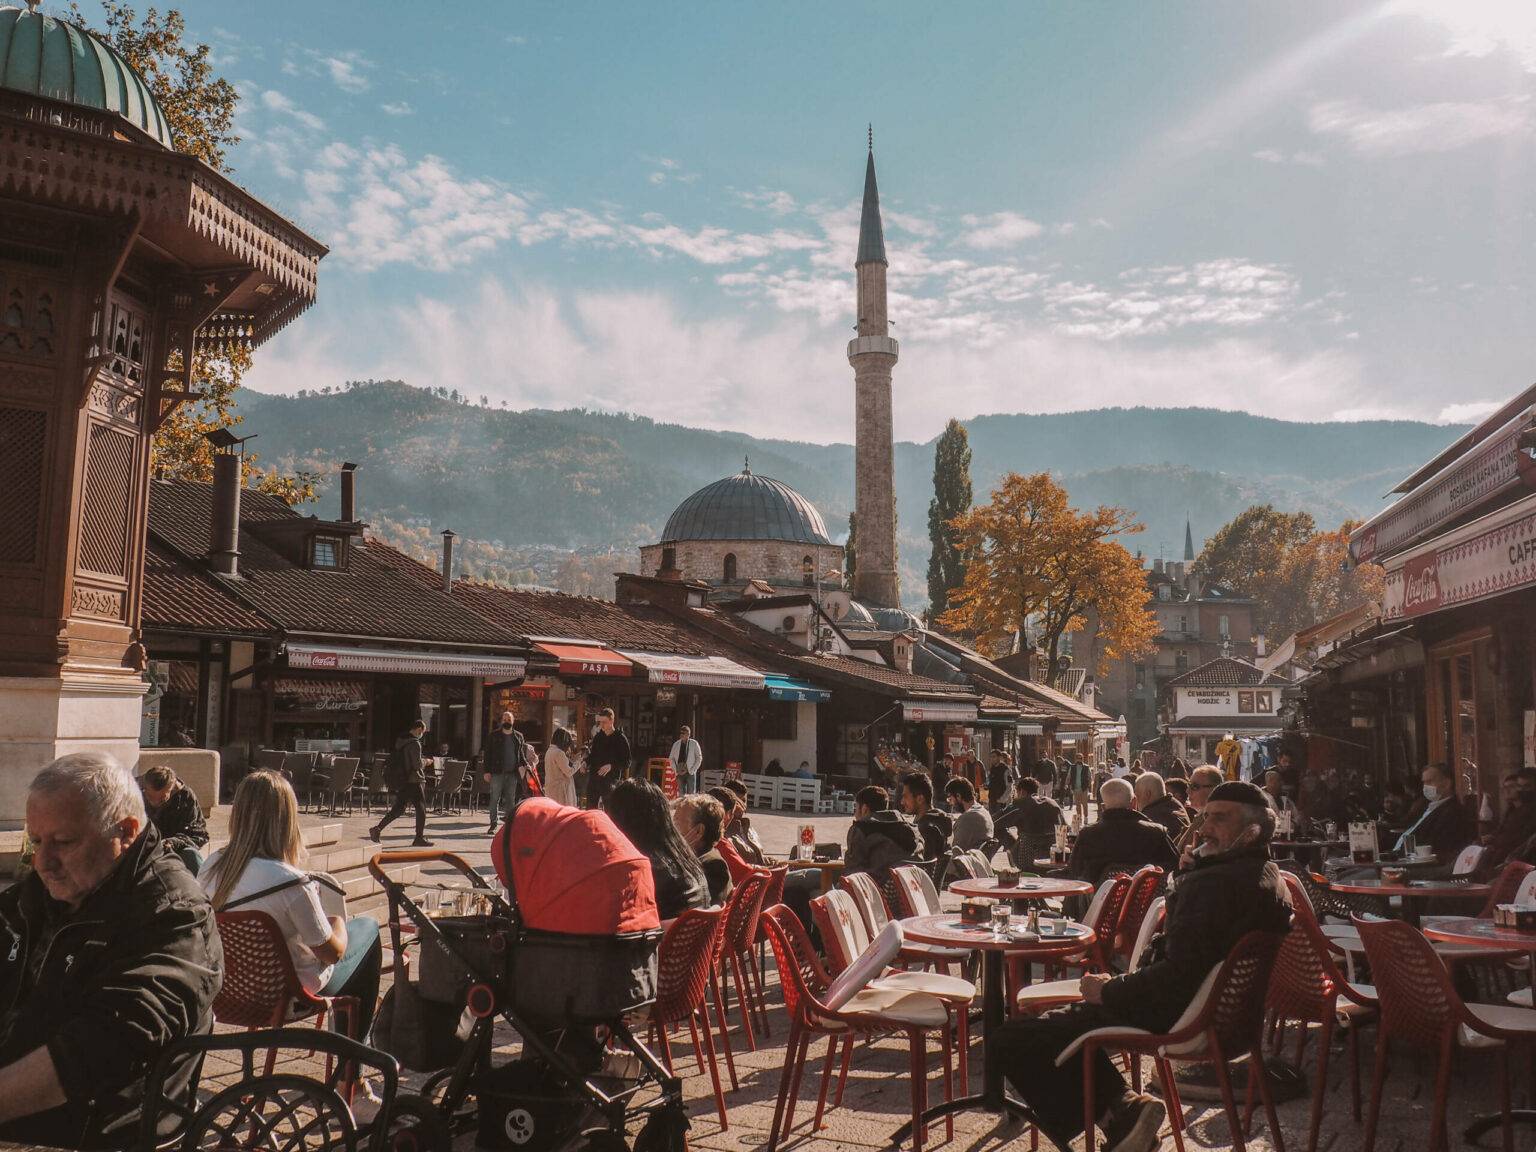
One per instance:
[(1517, 795), (1443, 825), (1230, 888), (973, 823), (506, 765)]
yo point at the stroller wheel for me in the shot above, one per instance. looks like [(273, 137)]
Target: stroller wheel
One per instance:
[(415, 1125)]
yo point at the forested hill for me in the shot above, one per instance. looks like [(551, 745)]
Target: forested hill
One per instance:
[(578, 479)]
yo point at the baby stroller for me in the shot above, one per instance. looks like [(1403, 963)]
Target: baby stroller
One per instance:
[(564, 960)]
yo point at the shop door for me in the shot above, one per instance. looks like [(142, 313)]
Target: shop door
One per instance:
[(1454, 708)]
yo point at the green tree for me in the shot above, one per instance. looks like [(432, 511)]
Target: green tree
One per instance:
[(200, 108), (1253, 554), (951, 498)]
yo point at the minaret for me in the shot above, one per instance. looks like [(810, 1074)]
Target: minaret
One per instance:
[(873, 354), (1189, 541)]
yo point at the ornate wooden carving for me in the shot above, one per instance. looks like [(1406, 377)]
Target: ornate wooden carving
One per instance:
[(103, 603)]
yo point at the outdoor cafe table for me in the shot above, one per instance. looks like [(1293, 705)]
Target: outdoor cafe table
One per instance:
[(1308, 852), (1483, 933), (1028, 888), (947, 930), (1413, 892), (830, 869)]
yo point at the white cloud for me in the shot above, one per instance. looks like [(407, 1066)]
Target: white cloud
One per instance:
[(275, 101), (999, 230), (346, 72), (766, 200), (397, 108), (1441, 127), (1479, 28), (1469, 412), (1276, 156), (712, 245), (1224, 293)]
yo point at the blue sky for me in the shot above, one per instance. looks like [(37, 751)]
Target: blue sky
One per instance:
[(1309, 210)]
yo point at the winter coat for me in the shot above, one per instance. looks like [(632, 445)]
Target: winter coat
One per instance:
[(1120, 838), (1167, 811), (411, 768), (1210, 908), (180, 820), (879, 842), (134, 969), (936, 828), (560, 777)]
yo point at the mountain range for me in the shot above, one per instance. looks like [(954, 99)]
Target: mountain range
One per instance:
[(528, 486)]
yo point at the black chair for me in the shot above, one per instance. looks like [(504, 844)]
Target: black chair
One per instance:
[(240, 1108)]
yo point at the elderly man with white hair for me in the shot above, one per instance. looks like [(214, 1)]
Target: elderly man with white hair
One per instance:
[(1155, 804), (113, 955), (1120, 838)]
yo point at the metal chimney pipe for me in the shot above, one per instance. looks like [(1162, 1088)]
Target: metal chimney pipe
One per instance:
[(224, 543), (348, 492), (447, 559)]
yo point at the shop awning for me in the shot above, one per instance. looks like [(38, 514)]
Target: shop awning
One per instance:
[(400, 660), (783, 688), (1488, 557), (937, 712), (587, 659), (698, 671), (1031, 729)]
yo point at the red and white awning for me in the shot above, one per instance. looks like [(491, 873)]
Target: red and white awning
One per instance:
[(699, 671), (937, 712), (587, 659), (404, 661), (1491, 555)]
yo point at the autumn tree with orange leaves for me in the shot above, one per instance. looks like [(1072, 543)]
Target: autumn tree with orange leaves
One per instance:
[(1035, 566)]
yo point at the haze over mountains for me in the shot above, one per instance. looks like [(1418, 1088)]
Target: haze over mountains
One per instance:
[(548, 481)]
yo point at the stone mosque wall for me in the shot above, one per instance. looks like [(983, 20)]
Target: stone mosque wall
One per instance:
[(779, 562)]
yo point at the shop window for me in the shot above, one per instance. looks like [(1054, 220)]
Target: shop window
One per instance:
[(1245, 702), (729, 572), (780, 719), (325, 551)]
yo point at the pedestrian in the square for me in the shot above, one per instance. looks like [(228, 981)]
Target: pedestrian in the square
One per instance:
[(505, 756), (608, 758), (408, 776), (687, 758)]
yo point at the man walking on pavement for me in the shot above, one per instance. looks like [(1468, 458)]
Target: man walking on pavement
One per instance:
[(687, 757), (607, 759), (409, 776), (505, 755)]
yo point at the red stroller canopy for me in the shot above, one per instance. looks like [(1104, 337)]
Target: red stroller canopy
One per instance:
[(574, 871)]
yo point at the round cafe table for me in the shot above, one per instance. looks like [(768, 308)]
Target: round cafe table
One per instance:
[(1308, 852), (830, 869), (1413, 892), (1028, 888), (947, 929)]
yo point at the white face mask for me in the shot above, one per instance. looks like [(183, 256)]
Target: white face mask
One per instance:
[(1431, 793)]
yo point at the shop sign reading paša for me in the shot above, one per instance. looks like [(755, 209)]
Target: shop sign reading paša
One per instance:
[(1499, 559)]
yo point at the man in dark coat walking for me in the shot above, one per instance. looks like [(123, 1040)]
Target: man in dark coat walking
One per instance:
[(608, 759), (1232, 889), (410, 779)]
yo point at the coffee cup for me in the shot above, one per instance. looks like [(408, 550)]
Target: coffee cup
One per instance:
[(1424, 852)]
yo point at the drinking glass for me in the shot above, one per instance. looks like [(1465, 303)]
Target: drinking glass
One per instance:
[(1002, 917), (429, 900)]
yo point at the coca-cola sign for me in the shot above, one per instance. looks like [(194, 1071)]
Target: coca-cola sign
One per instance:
[(1421, 584)]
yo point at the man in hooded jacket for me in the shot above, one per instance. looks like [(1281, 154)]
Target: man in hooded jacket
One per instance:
[(880, 838)]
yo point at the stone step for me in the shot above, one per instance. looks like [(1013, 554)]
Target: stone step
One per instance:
[(362, 884), (339, 860), (316, 835)]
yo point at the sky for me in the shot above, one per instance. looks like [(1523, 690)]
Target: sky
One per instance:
[(1315, 210)]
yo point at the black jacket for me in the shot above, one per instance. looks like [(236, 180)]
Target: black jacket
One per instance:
[(496, 746), (1120, 839), (677, 889), (1167, 811), (409, 765), (1210, 908), (134, 969), (609, 748), (180, 820), (1033, 818), (879, 842), (1446, 829), (936, 828)]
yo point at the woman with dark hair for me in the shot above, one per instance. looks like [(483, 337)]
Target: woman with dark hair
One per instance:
[(640, 810), (559, 772)]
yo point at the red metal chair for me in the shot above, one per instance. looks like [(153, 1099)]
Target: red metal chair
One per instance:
[(1421, 1009), (1144, 887), (741, 915), (261, 989), (683, 965), (1103, 916), (872, 1012), (1307, 986), (773, 895), (1225, 1019)]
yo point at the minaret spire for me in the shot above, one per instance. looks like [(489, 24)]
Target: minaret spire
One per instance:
[(873, 353), (1189, 540)]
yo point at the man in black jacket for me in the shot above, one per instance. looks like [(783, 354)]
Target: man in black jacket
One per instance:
[(1120, 838), (933, 826), (1155, 804), (1232, 889), (176, 815), (1028, 826), (879, 838), (608, 759), (1443, 825), (505, 756), (411, 781), (113, 957)]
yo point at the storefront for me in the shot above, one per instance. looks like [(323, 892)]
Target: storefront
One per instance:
[(721, 700)]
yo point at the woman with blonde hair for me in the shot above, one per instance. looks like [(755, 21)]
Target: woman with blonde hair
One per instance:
[(559, 771), (261, 870)]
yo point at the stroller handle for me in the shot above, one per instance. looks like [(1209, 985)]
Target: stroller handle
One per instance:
[(421, 856)]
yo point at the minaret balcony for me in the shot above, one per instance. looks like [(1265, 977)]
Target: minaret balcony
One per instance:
[(860, 345)]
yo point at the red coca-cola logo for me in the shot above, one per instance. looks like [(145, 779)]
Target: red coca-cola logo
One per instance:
[(1366, 548), (324, 660), (1421, 584)]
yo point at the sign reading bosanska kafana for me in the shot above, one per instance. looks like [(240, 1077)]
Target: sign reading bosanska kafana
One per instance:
[(1488, 557)]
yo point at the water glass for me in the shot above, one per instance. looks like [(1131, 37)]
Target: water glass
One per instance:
[(1002, 918), (429, 900)]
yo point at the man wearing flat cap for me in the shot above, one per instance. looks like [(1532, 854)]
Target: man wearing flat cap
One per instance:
[(1229, 888)]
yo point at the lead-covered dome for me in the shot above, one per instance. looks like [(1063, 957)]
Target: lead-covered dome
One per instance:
[(746, 506), (44, 56)]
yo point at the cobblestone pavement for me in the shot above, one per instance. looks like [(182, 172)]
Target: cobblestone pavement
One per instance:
[(877, 1097)]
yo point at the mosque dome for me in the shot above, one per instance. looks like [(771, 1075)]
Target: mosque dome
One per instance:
[(52, 58), (746, 506)]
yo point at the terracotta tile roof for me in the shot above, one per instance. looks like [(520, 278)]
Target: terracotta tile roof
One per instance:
[(1035, 701), (556, 614), (1225, 672), (179, 597), (371, 598)]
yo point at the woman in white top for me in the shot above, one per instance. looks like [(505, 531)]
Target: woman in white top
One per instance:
[(559, 772), (261, 870)]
